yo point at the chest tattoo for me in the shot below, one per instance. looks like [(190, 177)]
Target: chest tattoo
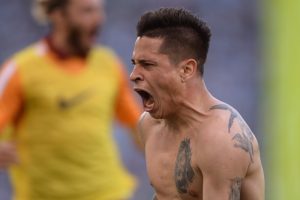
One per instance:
[(235, 188), (184, 172)]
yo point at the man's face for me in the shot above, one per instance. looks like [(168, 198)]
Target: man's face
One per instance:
[(82, 19), (155, 78)]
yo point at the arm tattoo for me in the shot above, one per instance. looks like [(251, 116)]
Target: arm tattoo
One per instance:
[(244, 139), (235, 188), (243, 142), (184, 172)]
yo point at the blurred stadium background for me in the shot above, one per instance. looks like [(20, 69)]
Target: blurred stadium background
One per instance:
[(252, 65)]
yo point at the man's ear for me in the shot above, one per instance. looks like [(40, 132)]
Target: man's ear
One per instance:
[(188, 68)]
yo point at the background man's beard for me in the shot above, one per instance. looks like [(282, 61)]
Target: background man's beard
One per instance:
[(75, 43), (78, 48)]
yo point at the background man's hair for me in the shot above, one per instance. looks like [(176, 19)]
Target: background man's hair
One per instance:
[(42, 8), (184, 34)]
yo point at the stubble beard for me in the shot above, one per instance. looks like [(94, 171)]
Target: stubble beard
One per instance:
[(76, 43)]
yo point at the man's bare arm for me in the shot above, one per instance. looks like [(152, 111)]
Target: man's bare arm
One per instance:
[(227, 156)]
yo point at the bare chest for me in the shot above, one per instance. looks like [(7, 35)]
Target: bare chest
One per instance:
[(172, 168)]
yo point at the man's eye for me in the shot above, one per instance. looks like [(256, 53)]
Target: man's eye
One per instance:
[(147, 64)]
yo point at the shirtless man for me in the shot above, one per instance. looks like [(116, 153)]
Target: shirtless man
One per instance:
[(196, 146)]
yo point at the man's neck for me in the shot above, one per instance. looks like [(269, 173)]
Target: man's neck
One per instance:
[(58, 43), (194, 107)]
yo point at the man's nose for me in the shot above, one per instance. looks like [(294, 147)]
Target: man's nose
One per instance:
[(135, 76)]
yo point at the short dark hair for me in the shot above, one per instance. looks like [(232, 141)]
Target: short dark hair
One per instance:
[(51, 5), (184, 34)]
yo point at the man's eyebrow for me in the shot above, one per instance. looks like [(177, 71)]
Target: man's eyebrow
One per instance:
[(143, 61)]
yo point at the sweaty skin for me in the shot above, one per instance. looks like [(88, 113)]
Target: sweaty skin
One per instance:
[(196, 147)]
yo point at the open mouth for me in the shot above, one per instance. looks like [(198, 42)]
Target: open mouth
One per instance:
[(147, 99)]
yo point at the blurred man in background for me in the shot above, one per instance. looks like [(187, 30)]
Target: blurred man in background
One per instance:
[(61, 95)]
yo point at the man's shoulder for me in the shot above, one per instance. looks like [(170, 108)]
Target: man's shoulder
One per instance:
[(29, 53), (104, 51), (147, 124), (104, 56), (221, 117), (146, 121), (226, 135), (226, 146), (215, 130)]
